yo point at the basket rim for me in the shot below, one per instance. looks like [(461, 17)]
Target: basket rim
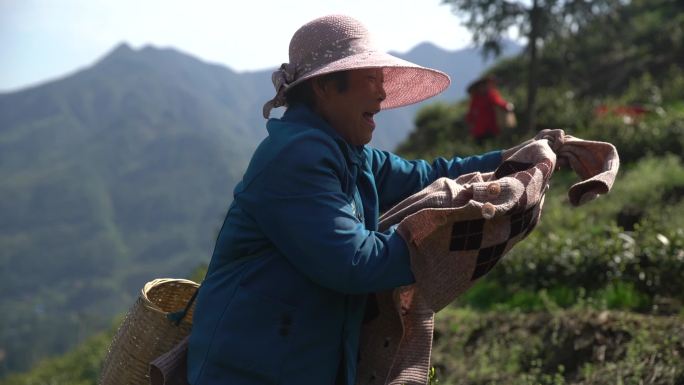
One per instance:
[(159, 281)]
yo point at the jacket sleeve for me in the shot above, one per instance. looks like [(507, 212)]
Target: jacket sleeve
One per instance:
[(496, 98), (397, 178), (299, 203)]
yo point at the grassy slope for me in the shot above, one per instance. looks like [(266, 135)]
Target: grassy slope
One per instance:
[(579, 346)]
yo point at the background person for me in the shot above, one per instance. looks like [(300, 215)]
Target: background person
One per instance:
[(482, 110)]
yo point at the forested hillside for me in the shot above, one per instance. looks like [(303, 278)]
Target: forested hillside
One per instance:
[(110, 176)]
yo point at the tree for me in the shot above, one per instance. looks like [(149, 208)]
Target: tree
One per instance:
[(538, 20)]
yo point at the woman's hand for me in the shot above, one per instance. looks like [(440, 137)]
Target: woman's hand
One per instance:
[(555, 138)]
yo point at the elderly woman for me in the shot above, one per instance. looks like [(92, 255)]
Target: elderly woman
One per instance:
[(284, 297)]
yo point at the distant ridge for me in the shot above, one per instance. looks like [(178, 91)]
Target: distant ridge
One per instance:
[(114, 175)]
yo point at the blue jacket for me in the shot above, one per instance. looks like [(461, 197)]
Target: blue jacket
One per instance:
[(285, 292)]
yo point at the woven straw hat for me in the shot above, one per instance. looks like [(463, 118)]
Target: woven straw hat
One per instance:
[(339, 43)]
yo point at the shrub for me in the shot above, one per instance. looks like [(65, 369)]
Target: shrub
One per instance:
[(582, 255)]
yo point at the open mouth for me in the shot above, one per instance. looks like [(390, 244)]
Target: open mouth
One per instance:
[(368, 116)]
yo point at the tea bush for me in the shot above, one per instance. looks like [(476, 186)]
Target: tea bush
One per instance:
[(597, 252)]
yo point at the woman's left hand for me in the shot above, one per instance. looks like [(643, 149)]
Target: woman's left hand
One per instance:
[(555, 138)]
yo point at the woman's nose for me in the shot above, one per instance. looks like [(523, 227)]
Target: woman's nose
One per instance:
[(382, 94)]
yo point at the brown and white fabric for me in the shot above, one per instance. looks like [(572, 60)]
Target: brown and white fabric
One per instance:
[(596, 163), (456, 231)]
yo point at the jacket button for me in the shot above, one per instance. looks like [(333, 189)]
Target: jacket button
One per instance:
[(488, 210), (494, 189)]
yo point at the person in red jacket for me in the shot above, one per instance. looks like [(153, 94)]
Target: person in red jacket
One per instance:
[(484, 99)]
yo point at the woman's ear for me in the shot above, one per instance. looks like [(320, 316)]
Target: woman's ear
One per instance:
[(321, 94), (320, 88)]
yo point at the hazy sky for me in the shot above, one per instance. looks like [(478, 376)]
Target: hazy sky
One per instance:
[(44, 39)]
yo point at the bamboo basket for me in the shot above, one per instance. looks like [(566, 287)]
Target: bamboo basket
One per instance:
[(147, 332)]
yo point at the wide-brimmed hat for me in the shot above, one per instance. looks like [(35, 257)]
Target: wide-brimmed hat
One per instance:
[(338, 43)]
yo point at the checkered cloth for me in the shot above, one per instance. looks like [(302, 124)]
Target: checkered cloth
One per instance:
[(456, 231)]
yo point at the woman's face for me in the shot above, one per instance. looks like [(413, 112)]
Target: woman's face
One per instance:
[(351, 111)]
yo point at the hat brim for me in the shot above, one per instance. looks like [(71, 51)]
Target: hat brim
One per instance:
[(405, 82)]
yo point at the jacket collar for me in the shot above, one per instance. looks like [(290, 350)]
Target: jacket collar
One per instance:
[(301, 114)]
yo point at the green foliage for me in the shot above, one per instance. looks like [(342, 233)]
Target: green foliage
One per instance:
[(559, 347), (607, 55), (623, 295), (621, 252), (432, 377), (659, 131), (490, 20), (533, 319), (441, 129), (438, 125), (198, 273), (539, 22), (581, 256), (80, 366)]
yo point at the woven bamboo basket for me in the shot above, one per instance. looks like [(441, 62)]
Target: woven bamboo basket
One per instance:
[(147, 333)]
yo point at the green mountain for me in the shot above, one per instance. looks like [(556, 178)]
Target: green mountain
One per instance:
[(121, 173), (112, 176)]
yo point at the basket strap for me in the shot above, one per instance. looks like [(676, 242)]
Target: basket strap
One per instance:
[(177, 317)]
